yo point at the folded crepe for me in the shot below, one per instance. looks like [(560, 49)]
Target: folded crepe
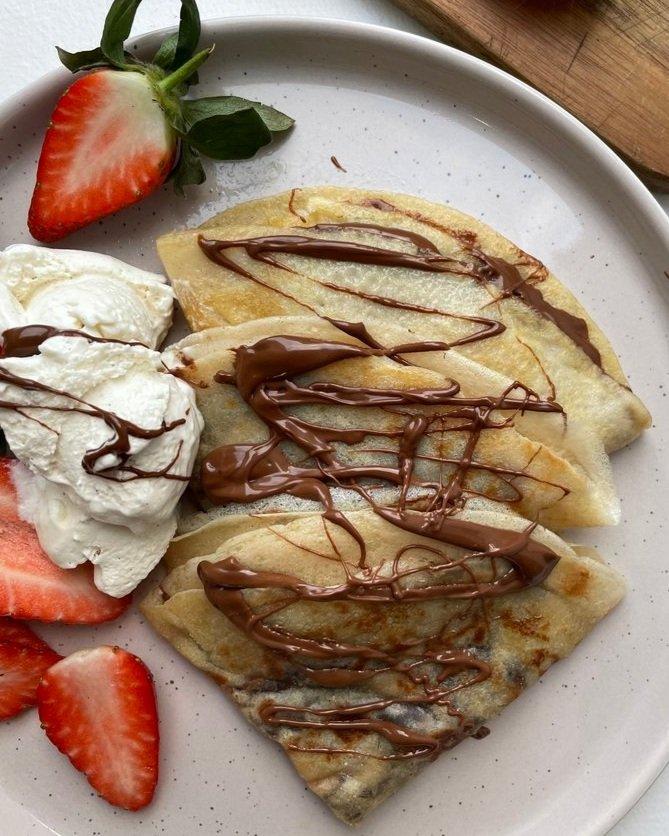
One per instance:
[(546, 474), (205, 534), (383, 259), (364, 673)]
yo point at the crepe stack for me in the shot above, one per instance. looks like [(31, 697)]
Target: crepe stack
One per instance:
[(553, 347), (367, 567)]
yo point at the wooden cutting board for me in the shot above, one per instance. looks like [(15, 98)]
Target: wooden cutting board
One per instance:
[(606, 61)]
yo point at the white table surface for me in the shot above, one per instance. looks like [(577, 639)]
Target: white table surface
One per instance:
[(30, 28)]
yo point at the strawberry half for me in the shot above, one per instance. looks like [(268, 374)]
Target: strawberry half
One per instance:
[(31, 586), (108, 145), (99, 708), (119, 132), (24, 658)]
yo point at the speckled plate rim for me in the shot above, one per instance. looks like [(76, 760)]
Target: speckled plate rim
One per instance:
[(606, 163)]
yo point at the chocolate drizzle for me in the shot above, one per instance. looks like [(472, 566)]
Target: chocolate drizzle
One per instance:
[(427, 258), (493, 561), (25, 342), (513, 284)]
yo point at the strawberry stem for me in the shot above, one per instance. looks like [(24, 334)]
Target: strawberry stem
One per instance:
[(185, 71)]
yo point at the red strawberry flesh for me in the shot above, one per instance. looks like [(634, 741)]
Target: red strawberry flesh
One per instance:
[(24, 658), (107, 146), (31, 585), (18, 633), (98, 707)]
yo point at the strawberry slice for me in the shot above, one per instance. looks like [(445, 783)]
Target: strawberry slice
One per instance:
[(9, 511), (24, 658), (18, 633), (108, 145), (31, 586), (99, 708)]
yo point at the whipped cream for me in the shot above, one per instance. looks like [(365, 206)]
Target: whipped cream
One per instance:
[(122, 557), (120, 523), (85, 291)]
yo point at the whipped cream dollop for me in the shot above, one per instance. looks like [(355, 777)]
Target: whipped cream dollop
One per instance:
[(120, 511), (73, 289)]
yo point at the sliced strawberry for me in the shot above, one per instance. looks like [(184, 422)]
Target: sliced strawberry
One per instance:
[(24, 658), (21, 668), (18, 633), (31, 586), (108, 145), (8, 501), (99, 708)]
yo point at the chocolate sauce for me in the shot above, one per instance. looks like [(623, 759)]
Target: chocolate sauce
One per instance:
[(465, 237), (263, 247), (495, 561), (489, 327), (513, 284), (358, 330), (377, 203), (335, 162), (25, 342), (576, 328), (423, 245), (291, 205), (215, 250), (427, 258), (548, 378)]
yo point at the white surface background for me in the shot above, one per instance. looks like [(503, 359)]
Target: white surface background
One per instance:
[(30, 28)]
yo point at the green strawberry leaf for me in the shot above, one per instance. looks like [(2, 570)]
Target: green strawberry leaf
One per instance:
[(178, 47), (118, 24), (166, 51), (189, 33), (86, 60), (189, 170), (230, 136), (198, 109), (220, 127)]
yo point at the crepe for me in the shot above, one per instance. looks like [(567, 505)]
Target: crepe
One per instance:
[(551, 480), (496, 645), (207, 534), (459, 282)]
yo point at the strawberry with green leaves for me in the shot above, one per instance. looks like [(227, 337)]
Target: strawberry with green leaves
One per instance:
[(120, 131)]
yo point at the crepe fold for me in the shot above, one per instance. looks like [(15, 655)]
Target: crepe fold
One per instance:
[(454, 275), (355, 760), (396, 400), (533, 463)]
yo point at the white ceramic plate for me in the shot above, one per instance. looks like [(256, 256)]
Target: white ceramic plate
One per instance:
[(406, 114)]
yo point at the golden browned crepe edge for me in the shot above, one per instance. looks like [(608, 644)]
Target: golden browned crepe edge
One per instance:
[(589, 586), (311, 202), (330, 202), (593, 500)]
